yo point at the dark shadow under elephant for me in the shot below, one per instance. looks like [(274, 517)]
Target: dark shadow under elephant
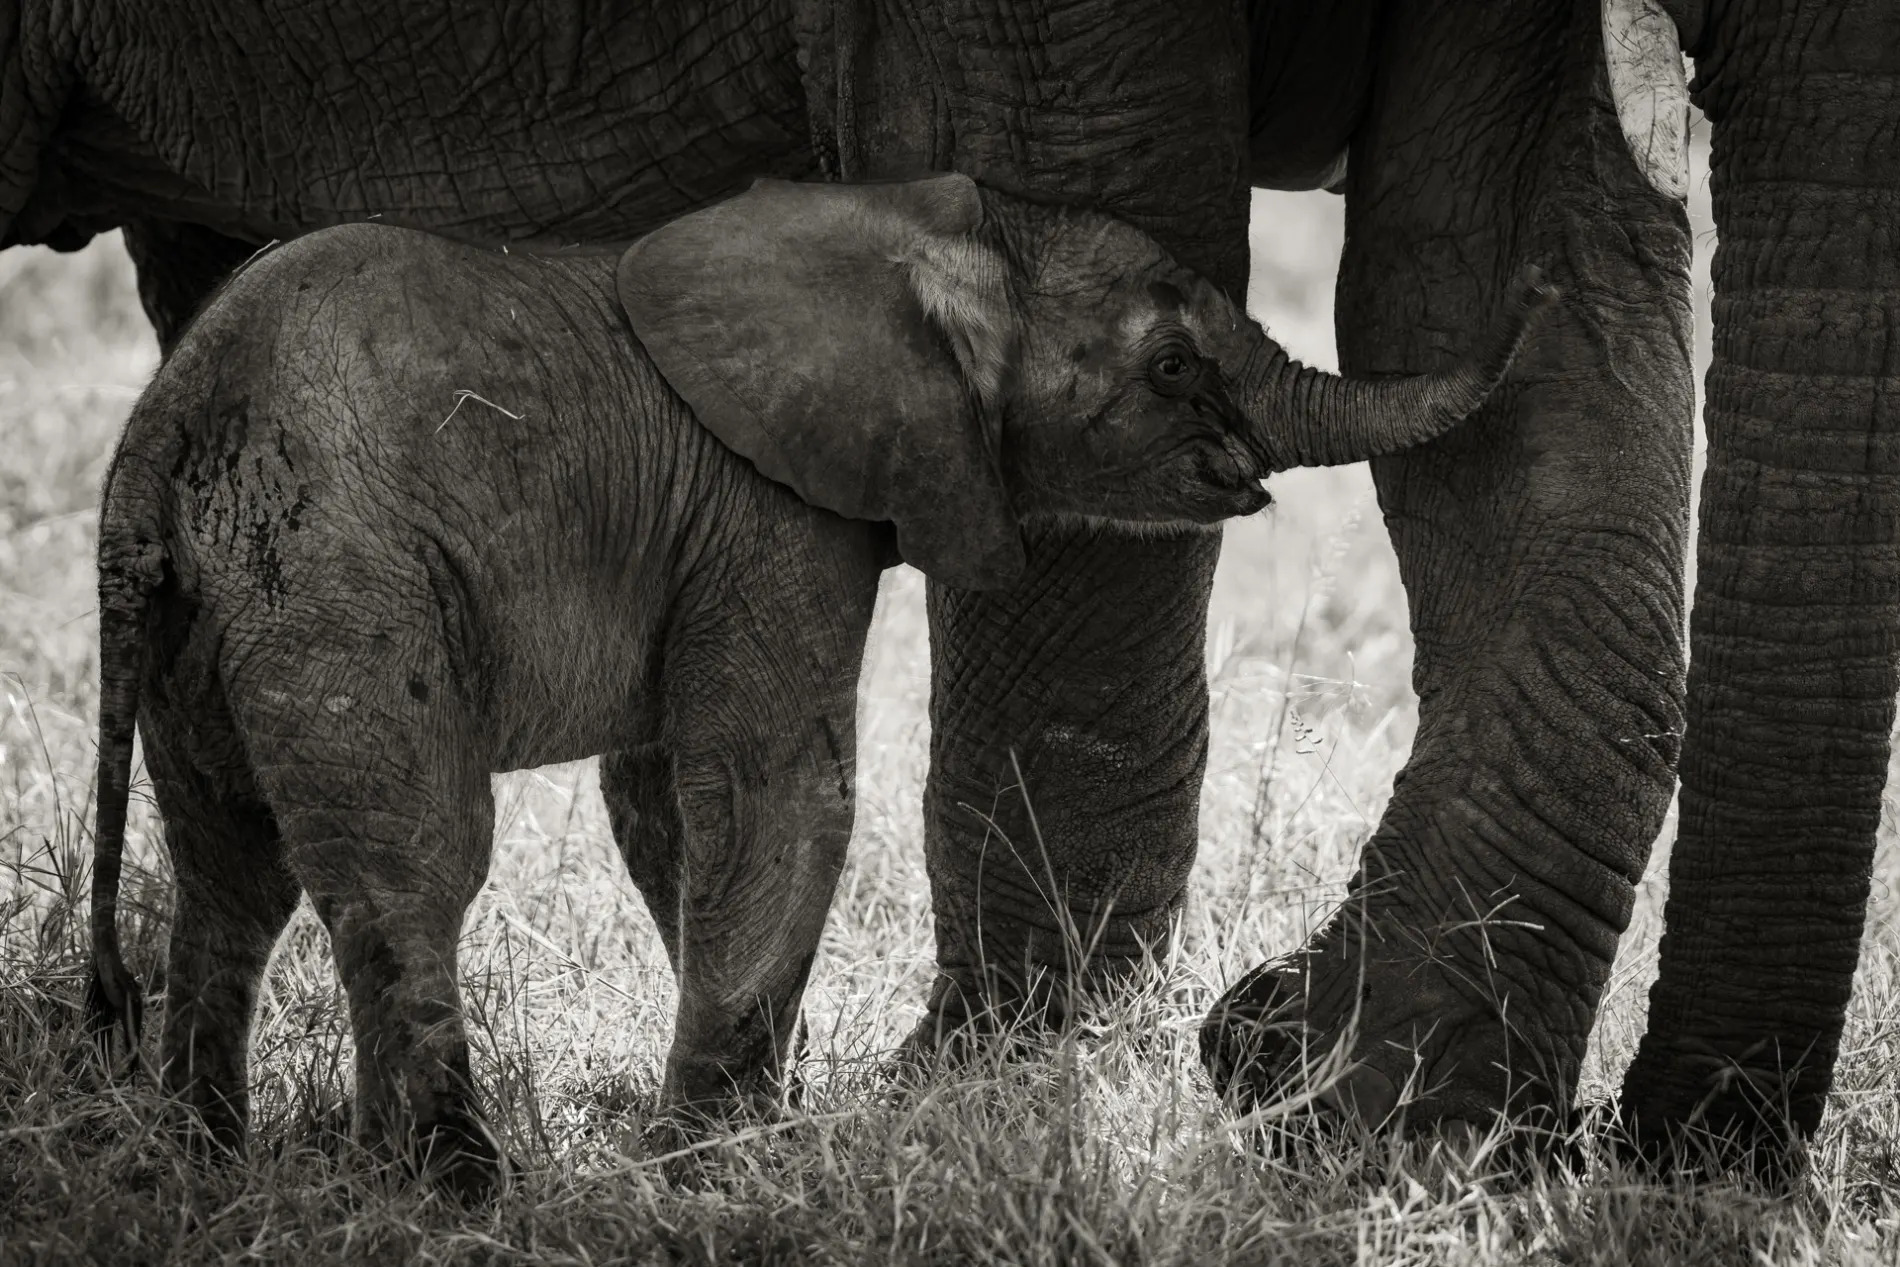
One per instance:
[(1542, 547)]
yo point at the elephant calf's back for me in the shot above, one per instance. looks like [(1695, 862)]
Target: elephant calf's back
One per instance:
[(434, 371), (476, 439)]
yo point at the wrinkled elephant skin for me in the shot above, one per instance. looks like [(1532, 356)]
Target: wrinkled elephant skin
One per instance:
[(1546, 592)]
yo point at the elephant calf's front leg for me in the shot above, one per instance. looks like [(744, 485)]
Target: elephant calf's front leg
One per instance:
[(764, 844), (760, 710), (637, 785)]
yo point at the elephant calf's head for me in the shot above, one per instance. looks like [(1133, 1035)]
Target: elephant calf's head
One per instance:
[(955, 360), (1119, 406)]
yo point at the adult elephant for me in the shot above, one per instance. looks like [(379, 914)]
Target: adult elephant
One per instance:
[(1542, 546)]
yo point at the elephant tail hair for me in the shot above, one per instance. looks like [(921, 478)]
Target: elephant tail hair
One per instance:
[(131, 567)]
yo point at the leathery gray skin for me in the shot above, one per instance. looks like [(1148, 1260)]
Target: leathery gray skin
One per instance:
[(495, 120), (400, 513)]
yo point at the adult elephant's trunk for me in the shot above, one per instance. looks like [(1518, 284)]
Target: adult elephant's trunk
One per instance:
[(1797, 603), (1302, 416)]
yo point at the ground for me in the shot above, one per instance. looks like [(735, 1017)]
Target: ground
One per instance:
[(1107, 1148)]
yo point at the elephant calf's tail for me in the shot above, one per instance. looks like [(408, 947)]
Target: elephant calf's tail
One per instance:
[(128, 573)]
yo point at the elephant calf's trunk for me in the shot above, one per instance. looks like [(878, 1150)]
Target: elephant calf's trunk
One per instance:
[(1301, 416)]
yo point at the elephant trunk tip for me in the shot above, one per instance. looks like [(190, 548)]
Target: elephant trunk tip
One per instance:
[(1529, 295)]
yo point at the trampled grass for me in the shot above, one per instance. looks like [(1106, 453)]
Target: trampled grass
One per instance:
[(1106, 1147)]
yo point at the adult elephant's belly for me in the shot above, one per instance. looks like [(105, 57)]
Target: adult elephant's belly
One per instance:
[(510, 122)]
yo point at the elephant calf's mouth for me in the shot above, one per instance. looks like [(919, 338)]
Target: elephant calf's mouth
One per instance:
[(1238, 486)]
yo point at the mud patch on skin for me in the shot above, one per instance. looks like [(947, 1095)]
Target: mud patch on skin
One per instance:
[(240, 506), (420, 1057), (267, 510)]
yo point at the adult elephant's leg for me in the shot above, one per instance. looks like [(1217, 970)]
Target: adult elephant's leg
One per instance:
[(1541, 547), (179, 265), (1797, 605), (1088, 677)]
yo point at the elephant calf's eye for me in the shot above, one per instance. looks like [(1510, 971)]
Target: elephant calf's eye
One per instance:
[(1173, 369)]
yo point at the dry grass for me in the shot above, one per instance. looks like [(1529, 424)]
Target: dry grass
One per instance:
[(1106, 1148)]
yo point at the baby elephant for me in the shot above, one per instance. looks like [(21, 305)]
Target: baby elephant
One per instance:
[(400, 513)]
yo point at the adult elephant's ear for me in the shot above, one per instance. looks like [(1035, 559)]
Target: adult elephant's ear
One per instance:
[(852, 341)]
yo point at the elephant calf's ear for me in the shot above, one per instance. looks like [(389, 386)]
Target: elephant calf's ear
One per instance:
[(840, 338)]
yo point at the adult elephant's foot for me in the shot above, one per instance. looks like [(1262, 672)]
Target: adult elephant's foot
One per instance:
[(1381, 1021), (1258, 1046), (964, 1023), (1713, 1109), (970, 1018), (1541, 548), (1068, 712)]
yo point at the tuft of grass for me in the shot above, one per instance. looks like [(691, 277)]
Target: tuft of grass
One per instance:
[(1103, 1145)]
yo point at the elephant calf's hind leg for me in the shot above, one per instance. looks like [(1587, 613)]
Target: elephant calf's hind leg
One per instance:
[(234, 898), (391, 851)]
